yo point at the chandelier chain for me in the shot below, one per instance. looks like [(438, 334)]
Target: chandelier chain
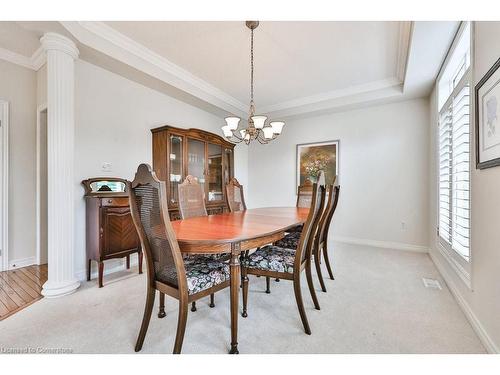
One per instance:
[(251, 68)]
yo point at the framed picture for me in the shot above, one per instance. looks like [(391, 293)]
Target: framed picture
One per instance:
[(488, 119), (315, 157)]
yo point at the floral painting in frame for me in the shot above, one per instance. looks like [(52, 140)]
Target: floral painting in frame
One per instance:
[(315, 157), (488, 119)]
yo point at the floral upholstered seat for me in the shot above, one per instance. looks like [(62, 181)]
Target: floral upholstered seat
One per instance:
[(290, 241), (189, 258), (271, 258), (203, 272)]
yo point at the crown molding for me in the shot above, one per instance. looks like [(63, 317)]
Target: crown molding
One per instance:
[(35, 62), (105, 39), (404, 42), (39, 58), (337, 99), (16, 58)]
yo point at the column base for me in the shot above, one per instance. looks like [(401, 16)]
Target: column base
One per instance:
[(59, 289)]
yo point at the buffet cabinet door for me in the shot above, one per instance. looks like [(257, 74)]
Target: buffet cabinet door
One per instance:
[(119, 230)]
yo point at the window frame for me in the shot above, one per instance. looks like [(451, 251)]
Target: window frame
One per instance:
[(459, 264)]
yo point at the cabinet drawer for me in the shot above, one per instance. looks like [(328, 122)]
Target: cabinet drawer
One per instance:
[(115, 202)]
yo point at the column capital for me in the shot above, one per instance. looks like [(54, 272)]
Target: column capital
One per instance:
[(58, 42)]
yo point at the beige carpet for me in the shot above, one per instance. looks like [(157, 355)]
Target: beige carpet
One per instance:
[(377, 304)]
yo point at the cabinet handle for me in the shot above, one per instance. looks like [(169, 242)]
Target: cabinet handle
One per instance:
[(110, 201)]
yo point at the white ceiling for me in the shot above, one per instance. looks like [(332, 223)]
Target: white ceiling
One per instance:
[(301, 68), (292, 59), (16, 38)]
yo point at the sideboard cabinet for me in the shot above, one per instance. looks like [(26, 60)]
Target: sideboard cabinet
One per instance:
[(204, 155), (110, 230)]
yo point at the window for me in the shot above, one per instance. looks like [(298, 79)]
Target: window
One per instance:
[(454, 91)]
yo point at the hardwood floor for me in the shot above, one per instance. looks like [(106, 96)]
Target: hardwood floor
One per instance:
[(20, 288)]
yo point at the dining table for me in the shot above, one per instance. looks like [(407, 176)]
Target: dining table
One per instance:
[(233, 233)]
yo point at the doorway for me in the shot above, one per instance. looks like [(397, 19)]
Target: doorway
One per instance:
[(4, 185), (41, 179)]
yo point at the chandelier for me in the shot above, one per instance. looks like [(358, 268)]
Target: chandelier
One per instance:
[(256, 128)]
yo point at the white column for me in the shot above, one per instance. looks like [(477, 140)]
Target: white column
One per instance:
[(61, 55)]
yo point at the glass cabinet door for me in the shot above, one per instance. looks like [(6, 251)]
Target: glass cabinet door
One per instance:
[(228, 165), (175, 166), (196, 160), (215, 183)]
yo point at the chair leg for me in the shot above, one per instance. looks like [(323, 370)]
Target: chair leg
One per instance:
[(311, 285), (181, 326), (128, 262), (268, 284), (245, 291), (101, 273), (148, 309), (161, 312), (89, 268), (317, 263), (193, 306), (300, 305), (212, 300), (327, 261), (140, 256)]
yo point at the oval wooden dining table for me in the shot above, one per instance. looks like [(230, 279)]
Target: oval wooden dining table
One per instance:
[(233, 233)]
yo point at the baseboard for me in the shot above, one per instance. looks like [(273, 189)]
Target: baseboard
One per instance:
[(383, 244), (110, 266), (19, 263), (469, 314)]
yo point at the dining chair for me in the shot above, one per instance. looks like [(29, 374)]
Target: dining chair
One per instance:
[(320, 244), (192, 204), (234, 196), (304, 194), (287, 264), (191, 198), (167, 271)]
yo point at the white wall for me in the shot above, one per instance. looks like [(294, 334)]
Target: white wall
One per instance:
[(383, 170), (482, 303), (18, 87), (113, 120)]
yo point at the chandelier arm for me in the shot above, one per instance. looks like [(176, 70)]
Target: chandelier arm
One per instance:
[(262, 140), (236, 136)]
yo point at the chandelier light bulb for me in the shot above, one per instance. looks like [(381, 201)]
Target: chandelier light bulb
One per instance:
[(227, 131), (268, 132), (232, 122), (277, 126), (258, 121)]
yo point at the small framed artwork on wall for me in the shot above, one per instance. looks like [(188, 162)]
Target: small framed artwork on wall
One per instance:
[(487, 119), (315, 157)]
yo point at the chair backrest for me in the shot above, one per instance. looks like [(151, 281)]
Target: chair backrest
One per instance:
[(331, 206), (149, 209), (191, 198), (234, 196), (309, 229), (304, 194)]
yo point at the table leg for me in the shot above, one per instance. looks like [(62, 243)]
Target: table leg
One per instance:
[(234, 267)]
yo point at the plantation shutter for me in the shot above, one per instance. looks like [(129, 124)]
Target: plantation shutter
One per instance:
[(454, 169)]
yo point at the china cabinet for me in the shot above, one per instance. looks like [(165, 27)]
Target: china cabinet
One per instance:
[(204, 155)]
